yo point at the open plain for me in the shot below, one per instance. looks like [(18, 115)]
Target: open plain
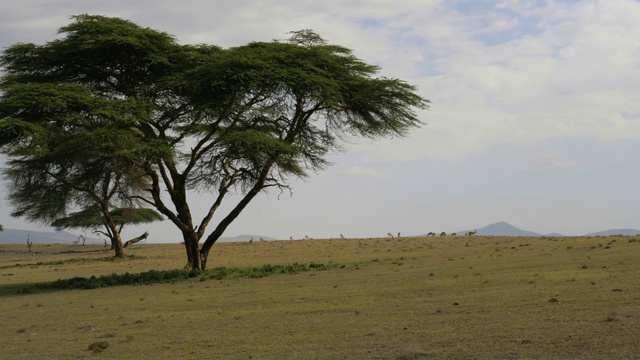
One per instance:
[(381, 298)]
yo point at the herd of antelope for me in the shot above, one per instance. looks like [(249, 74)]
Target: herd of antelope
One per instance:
[(306, 237), (470, 233)]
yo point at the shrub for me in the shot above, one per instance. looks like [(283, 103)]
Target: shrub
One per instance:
[(98, 346), (164, 276)]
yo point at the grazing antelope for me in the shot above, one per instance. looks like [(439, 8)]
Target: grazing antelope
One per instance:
[(398, 233), (251, 241), (454, 234), (306, 237), (341, 236), (431, 234), (443, 234), (471, 233), (262, 239), (390, 234), (290, 237)]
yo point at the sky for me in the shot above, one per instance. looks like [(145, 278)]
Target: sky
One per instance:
[(534, 120)]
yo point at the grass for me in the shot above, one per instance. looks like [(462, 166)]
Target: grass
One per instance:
[(407, 298)]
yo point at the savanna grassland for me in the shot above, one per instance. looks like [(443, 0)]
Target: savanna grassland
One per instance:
[(402, 298)]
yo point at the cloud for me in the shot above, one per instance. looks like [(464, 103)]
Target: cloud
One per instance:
[(526, 95), (573, 76)]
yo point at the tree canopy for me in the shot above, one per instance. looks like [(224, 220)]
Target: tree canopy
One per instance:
[(185, 117)]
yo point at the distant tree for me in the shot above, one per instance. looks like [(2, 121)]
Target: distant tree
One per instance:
[(68, 145), (222, 121), (1, 228), (92, 218)]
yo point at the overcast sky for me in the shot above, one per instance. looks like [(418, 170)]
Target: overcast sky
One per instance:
[(535, 116)]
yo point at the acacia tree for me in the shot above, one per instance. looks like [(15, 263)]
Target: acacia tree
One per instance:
[(222, 121), (53, 171), (92, 218), (68, 145)]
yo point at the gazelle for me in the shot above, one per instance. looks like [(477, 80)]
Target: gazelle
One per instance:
[(443, 234), (471, 233), (390, 234)]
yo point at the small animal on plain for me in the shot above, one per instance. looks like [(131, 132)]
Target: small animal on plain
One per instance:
[(443, 234), (431, 234), (389, 234), (471, 233)]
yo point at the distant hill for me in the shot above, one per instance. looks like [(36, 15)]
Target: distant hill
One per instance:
[(502, 229), (12, 236), (626, 232), (506, 229)]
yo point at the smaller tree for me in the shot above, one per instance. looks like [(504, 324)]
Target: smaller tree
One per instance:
[(92, 218)]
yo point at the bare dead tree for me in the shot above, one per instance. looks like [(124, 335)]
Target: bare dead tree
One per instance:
[(29, 242), (81, 237)]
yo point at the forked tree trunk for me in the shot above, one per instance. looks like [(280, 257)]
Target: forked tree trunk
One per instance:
[(233, 214)]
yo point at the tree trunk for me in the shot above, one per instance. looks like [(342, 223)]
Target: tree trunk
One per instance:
[(117, 246), (116, 240), (135, 240), (193, 254), (233, 214)]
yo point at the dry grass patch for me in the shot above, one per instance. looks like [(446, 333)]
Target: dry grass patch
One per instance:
[(408, 298)]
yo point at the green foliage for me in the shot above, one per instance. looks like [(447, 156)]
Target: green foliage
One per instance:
[(113, 109), (91, 217), (155, 277)]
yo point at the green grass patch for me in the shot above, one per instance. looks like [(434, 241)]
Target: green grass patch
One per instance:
[(167, 276)]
